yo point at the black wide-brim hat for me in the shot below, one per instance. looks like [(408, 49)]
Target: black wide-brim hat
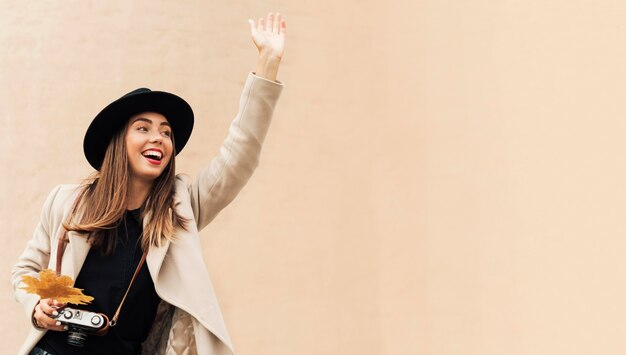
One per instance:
[(113, 117)]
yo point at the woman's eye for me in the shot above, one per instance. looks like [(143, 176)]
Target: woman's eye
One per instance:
[(167, 133), (142, 128)]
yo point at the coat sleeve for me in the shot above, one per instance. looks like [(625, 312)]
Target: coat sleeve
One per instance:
[(35, 257), (217, 184)]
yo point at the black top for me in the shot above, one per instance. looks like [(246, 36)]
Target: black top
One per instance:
[(106, 278)]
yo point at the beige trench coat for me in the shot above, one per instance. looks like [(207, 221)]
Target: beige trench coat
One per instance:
[(189, 318)]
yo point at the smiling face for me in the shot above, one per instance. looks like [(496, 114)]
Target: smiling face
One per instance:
[(149, 145)]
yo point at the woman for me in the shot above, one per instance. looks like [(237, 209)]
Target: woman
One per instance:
[(136, 208)]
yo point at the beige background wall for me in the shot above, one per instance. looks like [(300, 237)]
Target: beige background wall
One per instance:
[(441, 177)]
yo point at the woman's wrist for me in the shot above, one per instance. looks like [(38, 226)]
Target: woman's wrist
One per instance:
[(32, 319), (267, 66)]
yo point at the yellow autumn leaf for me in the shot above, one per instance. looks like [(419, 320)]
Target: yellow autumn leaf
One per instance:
[(49, 285)]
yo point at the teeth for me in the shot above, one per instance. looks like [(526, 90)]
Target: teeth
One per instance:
[(152, 153)]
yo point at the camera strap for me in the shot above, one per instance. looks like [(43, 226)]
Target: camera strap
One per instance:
[(112, 322), (102, 331)]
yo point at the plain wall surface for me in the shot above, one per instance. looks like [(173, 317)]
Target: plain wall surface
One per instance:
[(440, 177)]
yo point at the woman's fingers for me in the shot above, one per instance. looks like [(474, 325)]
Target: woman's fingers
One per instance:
[(58, 305), (42, 319), (276, 26), (270, 22), (46, 307), (273, 23), (43, 315), (261, 26), (252, 25)]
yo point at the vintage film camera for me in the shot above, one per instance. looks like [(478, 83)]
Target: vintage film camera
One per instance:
[(79, 324)]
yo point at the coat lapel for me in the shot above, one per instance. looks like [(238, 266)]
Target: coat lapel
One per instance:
[(155, 256)]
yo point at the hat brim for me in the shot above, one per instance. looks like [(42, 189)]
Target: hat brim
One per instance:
[(113, 117)]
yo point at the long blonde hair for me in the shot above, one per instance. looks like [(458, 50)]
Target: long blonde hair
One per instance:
[(103, 200)]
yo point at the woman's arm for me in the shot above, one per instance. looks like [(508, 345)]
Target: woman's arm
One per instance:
[(35, 256), (218, 184)]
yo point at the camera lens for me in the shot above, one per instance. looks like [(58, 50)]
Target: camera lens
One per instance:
[(76, 337)]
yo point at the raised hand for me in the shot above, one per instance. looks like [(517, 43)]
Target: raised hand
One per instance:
[(268, 35)]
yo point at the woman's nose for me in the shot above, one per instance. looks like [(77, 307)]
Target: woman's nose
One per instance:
[(157, 138)]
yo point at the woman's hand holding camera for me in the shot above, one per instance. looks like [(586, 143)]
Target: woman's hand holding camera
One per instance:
[(44, 311)]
